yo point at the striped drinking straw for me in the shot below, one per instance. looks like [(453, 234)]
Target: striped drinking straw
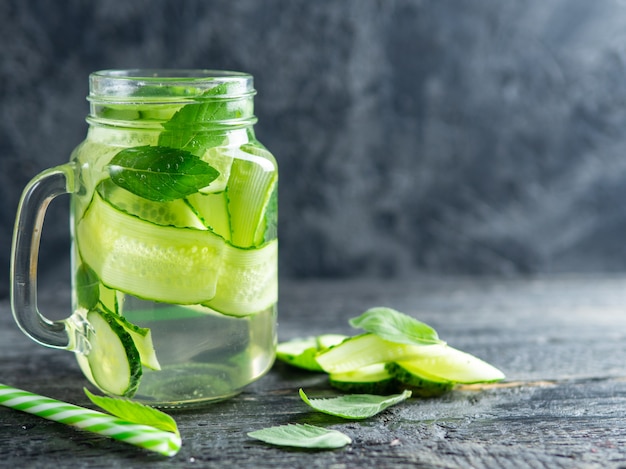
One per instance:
[(150, 438)]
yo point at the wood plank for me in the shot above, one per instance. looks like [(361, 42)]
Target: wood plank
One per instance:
[(560, 340)]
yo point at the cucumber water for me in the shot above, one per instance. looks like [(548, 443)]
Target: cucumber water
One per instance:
[(175, 249)]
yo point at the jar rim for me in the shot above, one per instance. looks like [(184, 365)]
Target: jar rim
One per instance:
[(162, 83)]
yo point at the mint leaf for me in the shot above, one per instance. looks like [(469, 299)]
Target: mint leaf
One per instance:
[(87, 287), (160, 174), (302, 436), (354, 406), (184, 130), (134, 412), (397, 327)]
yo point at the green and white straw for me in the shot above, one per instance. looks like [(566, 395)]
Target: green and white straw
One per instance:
[(144, 436)]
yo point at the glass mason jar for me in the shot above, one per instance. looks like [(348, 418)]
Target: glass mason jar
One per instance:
[(174, 246)]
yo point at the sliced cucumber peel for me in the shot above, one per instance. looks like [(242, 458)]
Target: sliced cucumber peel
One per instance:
[(372, 379), (113, 359), (395, 353), (302, 352), (363, 350), (422, 384), (176, 265), (142, 338), (445, 363)]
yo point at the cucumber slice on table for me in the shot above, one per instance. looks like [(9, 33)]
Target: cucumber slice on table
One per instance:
[(302, 352), (113, 359), (363, 350), (372, 379), (421, 383), (445, 363), (299, 353), (439, 363)]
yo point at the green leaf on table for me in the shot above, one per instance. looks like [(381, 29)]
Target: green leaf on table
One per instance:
[(354, 406), (302, 436), (396, 327), (134, 412), (160, 174)]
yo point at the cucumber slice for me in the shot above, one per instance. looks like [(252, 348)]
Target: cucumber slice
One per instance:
[(363, 350), (248, 281), (419, 382), (301, 352), (113, 359), (158, 112), (221, 158), (142, 338), (268, 228), (212, 210), (176, 265), (326, 341), (249, 190), (445, 363), (160, 263), (111, 300), (440, 362), (174, 213), (372, 379)]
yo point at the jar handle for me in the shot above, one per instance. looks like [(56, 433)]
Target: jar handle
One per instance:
[(25, 250)]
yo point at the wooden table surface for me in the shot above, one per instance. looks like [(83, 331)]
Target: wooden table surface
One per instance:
[(560, 340)]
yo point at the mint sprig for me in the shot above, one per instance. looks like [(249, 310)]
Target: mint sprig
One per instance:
[(160, 174)]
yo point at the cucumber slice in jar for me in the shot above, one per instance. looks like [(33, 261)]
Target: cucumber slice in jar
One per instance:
[(249, 190), (142, 338), (210, 204), (113, 360), (175, 213), (220, 158), (159, 263), (248, 281), (175, 265), (211, 209)]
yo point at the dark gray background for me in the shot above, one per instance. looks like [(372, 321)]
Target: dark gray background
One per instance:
[(463, 137)]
